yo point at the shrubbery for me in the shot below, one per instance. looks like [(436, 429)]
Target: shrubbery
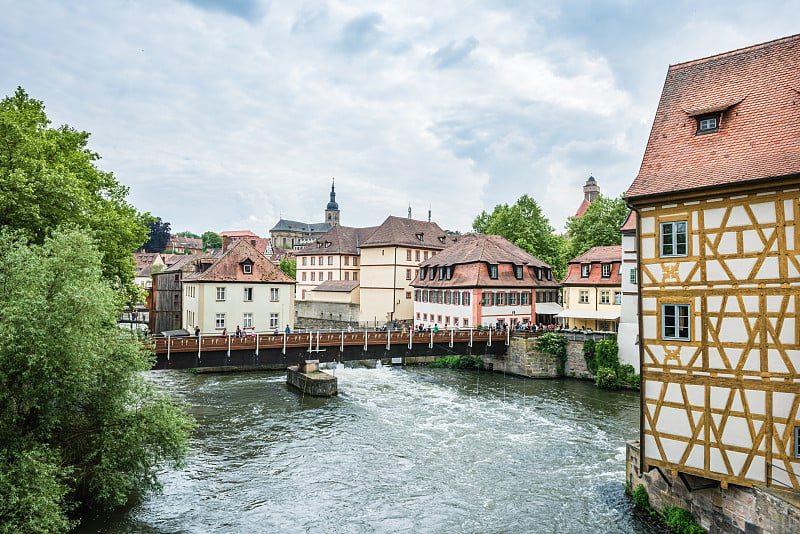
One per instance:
[(677, 519), (555, 344)]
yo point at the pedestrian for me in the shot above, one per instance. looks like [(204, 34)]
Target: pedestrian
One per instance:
[(197, 332), (224, 332), (435, 328), (349, 328), (288, 330), (238, 331)]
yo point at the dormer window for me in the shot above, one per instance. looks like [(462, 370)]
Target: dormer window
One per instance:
[(441, 273), (441, 239), (449, 272), (549, 274), (433, 273), (423, 273), (708, 123), (518, 272), (606, 270), (420, 235), (327, 244), (319, 245), (538, 274), (585, 270), (493, 272), (247, 268)]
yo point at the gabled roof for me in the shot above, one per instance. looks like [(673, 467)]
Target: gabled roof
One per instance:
[(296, 226), (608, 254), (337, 286), (227, 267), (757, 91), (401, 231), (182, 261), (582, 208), (629, 226), (176, 241), (338, 240), (238, 234)]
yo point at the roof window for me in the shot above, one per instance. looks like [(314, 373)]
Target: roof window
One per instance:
[(420, 235), (707, 124), (493, 272), (518, 272)]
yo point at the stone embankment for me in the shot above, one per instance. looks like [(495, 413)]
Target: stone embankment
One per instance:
[(523, 359)]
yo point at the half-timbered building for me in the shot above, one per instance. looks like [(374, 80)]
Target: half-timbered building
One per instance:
[(718, 205)]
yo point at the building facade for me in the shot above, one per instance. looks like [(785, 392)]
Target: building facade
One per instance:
[(718, 205), (628, 334), (593, 290), (239, 287), (483, 280), (166, 302)]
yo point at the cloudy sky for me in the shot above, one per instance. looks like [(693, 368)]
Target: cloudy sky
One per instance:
[(223, 115)]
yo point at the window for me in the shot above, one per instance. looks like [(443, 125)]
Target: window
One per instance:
[(408, 294), (441, 273), (304, 295), (408, 274), (493, 272), (346, 260), (707, 124), (457, 298), (633, 275), (446, 319), (355, 263), (449, 272), (304, 276), (426, 254), (675, 322), (220, 293), (321, 278), (797, 442), (585, 270), (408, 255), (525, 299), (583, 296), (512, 299), (247, 320), (539, 274), (247, 268), (313, 259), (617, 297), (424, 273), (501, 298), (219, 322), (604, 297), (416, 255), (176, 299), (606, 270), (346, 275), (418, 316), (486, 299), (424, 316), (248, 294), (518, 272), (321, 260), (330, 275), (439, 318), (313, 276), (330, 260), (455, 321), (176, 278), (304, 260), (433, 273), (465, 298), (355, 276), (466, 322), (274, 294), (549, 274), (273, 320), (673, 239)]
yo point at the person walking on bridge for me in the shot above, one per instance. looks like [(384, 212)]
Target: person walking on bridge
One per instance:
[(288, 330)]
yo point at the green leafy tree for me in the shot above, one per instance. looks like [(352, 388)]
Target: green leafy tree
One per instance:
[(599, 226), (524, 224), (289, 266), (159, 236), (48, 178), (186, 233), (80, 425), (211, 240)]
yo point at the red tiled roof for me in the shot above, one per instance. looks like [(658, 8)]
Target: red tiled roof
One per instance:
[(400, 231), (757, 89), (338, 240), (629, 226), (470, 255), (227, 267), (176, 241), (238, 233), (610, 254), (582, 208)]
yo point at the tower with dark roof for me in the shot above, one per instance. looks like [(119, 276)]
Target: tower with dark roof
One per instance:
[(332, 209), (591, 190)]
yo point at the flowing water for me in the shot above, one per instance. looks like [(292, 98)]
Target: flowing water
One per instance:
[(399, 450)]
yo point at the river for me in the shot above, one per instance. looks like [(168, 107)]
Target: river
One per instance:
[(399, 450)]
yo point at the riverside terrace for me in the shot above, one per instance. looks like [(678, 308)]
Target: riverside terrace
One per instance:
[(278, 351)]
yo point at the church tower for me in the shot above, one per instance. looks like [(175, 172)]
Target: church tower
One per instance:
[(591, 190), (332, 209)]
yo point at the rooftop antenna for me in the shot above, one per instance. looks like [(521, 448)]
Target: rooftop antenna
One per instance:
[(409, 210), (429, 212)]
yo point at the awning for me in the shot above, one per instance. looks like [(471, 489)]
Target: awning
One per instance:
[(548, 308), (609, 315)]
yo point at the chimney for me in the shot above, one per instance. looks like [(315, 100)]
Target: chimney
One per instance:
[(226, 242)]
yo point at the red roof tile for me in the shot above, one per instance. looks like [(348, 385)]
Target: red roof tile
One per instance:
[(227, 267), (400, 231), (758, 91), (596, 255), (629, 226), (582, 208)]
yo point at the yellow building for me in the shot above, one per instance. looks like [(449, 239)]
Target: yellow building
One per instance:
[(718, 206), (592, 290)]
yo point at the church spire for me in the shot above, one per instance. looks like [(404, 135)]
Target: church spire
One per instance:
[(332, 209)]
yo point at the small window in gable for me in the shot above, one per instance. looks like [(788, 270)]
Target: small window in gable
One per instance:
[(247, 268), (708, 123), (420, 235)]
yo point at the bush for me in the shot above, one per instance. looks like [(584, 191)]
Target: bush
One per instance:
[(589, 346), (606, 378), (555, 344), (640, 497), (680, 520), (607, 353)]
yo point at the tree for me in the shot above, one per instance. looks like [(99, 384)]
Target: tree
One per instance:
[(48, 178), (599, 226), (186, 233), (159, 236), (211, 240), (289, 266), (525, 225), (80, 425)]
